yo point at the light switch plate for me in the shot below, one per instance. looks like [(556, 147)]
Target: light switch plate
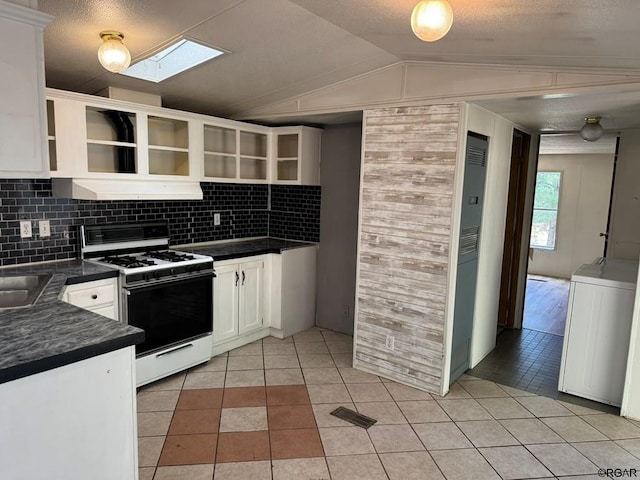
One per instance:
[(25, 229), (44, 228), (216, 219)]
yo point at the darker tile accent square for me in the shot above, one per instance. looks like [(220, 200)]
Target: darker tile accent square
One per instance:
[(298, 443), (186, 422), (284, 417), (244, 397), (200, 399), (188, 449), (287, 395), (243, 447)]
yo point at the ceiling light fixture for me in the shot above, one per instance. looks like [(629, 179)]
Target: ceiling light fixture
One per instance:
[(591, 130), (431, 19), (113, 53)]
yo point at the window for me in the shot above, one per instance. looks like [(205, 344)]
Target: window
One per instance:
[(545, 210)]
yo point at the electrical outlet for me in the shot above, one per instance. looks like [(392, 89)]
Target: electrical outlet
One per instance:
[(345, 311), (44, 228), (25, 229), (216, 219), (390, 342)]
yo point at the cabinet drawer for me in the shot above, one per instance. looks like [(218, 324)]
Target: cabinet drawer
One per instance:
[(99, 293)]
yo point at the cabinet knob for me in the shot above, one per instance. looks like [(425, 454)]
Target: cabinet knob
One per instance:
[(94, 296)]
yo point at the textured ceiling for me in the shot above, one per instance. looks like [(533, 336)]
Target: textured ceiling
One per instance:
[(283, 48)]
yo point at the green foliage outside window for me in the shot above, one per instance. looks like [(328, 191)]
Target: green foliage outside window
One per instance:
[(545, 210)]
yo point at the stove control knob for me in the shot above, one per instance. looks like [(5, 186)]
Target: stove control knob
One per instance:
[(172, 271), (156, 275)]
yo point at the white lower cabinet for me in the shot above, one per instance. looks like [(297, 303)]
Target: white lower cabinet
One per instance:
[(73, 422), (99, 296), (238, 303)]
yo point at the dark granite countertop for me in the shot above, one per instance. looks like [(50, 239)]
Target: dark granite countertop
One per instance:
[(52, 333), (245, 248)]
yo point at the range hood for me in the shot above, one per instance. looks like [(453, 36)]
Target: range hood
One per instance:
[(125, 189)]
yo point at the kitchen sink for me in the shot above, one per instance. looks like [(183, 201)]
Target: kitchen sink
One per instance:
[(21, 290)]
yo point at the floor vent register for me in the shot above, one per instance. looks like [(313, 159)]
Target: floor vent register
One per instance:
[(353, 417)]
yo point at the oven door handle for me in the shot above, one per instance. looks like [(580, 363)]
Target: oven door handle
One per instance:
[(163, 282)]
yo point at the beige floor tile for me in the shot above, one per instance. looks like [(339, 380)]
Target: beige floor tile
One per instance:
[(503, 408), (185, 472), (243, 419), (616, 428), (423, 411), (562, 459), (279, 349), (487, 433), (608, 454), (245, 362), (162, 401), (312, 348), (153, 424), (334, 393), (394, 438), (482, 388), (514, 463), (284, 376), (316, 361), (332, 336), (321, 376), (579, 409), (632, 446), (386, 413), (281, 361), (464, 409), (516, 392), (530, 431), (573, 429), (441, 436), (276, 341), (356, 467), (455, 392), (250, 349), (369, 392), (149, 449), (174, 382), (544, 407), (345, 441), (410, 466), (216, 364), (401, 393), (465, 376), (245, 378), (204, 380), (345, 346), (343, 359), (351, 375), (464, 464), (300, 469), (322, 413), (243, 470), (146, 473), (308, 336)]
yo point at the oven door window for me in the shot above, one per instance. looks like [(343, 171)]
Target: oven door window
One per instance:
[(172, 312)]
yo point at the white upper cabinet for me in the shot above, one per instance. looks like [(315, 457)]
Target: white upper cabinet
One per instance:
[(23, 118), (297, 155), (106, 149)]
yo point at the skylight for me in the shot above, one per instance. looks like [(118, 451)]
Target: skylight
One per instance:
[(174, 59)]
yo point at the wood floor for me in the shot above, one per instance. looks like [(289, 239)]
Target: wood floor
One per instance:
[(545, 304)]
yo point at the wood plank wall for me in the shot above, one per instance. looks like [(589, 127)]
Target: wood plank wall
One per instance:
[(405, 213)]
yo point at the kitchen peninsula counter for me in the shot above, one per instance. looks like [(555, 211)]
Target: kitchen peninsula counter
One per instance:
[(51, 333), (244, 248)]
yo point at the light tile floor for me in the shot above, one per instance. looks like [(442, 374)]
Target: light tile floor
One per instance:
[(261, 412)]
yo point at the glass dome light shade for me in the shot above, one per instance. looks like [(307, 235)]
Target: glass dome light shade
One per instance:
[(431, 19), (591, 130), (113, 53)]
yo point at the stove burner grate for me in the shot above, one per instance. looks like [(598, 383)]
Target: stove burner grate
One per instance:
[(169, 256), (127, 261)]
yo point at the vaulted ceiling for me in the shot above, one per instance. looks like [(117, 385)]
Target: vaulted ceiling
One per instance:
[(283, 48)]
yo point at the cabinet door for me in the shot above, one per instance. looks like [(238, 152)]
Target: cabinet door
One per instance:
[(250, 302), (225, 302)]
